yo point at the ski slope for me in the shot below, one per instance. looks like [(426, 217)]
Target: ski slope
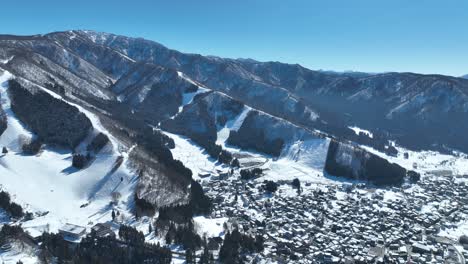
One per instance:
[(302, 159), (233, 124), (47, 183), (427, 161), (187, 98), (209, 227), (193, 156)]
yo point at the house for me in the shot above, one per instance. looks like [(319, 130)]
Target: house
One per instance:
[(204, 174), (420, 248), (72, 232), (103, 230), (33, 235)]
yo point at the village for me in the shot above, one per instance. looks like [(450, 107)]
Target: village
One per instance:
[(349, 223), (332, 221)]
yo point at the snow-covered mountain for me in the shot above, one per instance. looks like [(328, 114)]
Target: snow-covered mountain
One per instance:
[(273, 106), (91, 118), (394, 105), (47, 185), (397, 105)]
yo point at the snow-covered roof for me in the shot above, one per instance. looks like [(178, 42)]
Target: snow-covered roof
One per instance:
[(73, 229)]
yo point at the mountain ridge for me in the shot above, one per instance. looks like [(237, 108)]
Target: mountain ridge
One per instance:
[(401, 103), (139, 72), (305, 90), (242, 59)]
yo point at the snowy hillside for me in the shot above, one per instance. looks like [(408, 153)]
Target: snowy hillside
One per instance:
[(46, 184), (303, 156), (428, 162)]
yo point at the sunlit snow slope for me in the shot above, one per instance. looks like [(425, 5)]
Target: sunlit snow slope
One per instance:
[(47, 182)]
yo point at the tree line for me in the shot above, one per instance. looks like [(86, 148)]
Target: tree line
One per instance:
[(12, 208)]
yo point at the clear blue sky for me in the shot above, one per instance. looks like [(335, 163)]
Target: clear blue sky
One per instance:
[(427, 36)]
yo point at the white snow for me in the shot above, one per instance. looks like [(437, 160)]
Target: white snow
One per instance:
[(19, 252), (210, 227), (237, 123), (310, 153), (358, 130), (308, 167), (183, 76), (455, 233), (47, 182), (187, 98), (7, 60), (72, 35), (5, 77), (302, 160), (427, 161), (233, 124), (391, 195), (193, 156)]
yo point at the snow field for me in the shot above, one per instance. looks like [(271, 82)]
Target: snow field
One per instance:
[(358, 130), (47, 184)]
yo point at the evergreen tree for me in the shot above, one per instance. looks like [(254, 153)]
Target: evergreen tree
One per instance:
[(168, 238), (270, 186), (205, 256), (235, 163), (235, 244), (189, 258), (297, 184), (16, 210), (79, 161)]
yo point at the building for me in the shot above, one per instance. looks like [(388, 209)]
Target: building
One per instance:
[(204, 174), (72, 232), (103, 230)]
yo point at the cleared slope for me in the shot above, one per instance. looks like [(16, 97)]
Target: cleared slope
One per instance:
[(47, 182)]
